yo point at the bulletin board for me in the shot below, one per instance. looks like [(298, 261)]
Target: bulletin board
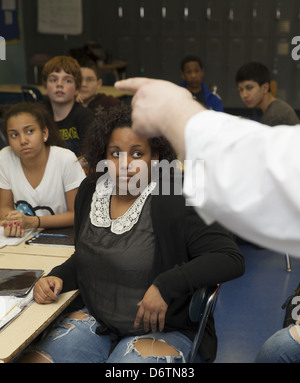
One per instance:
[(10, 20), (60, 17)]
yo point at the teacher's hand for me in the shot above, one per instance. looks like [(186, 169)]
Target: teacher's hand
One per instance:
[(160, 108)]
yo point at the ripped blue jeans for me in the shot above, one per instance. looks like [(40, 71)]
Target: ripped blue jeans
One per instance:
[(72, 340)]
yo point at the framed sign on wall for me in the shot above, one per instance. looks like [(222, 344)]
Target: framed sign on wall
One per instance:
[(60, 17), (10, 21)]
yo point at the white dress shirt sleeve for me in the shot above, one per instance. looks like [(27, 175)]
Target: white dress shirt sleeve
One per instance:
[(251, 178)]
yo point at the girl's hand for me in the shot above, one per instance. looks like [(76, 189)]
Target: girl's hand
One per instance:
[(12, 229), (47, 289), (15, 223), (152, 310)]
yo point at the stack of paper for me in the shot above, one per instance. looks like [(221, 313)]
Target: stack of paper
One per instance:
[(11, 306), (16, 292), (12, 241)]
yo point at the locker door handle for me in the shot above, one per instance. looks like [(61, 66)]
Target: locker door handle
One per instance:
[(186, 12), (120, 12), (278, 14), (164, 12), (231, 15), (208, 13), (142, 12)]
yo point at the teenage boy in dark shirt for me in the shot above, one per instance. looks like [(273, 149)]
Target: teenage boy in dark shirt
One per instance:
[(90, 94), (62, 79), (192, 73), (254, 84)]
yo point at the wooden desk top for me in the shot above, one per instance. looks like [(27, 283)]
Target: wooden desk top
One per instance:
[(112, 91), (108, 90), (33, 320), (115, 64), (48, 251)]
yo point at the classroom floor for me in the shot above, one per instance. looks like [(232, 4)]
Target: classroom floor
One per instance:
[(249, 309)]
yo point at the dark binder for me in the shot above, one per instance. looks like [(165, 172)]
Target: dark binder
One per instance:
[(62, 237), (18, 282)]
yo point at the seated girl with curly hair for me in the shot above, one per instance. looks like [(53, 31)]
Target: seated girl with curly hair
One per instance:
[(138, 259)]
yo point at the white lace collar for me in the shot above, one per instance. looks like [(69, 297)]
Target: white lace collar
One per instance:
[(100, 215)]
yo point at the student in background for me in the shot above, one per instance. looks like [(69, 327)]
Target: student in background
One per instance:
[(284, 345), (254, 84), (89, 94), (38, 180), (62, 78), (140, 254), (192, 72)]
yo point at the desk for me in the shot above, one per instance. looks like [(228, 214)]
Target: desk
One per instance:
[(108, 90), (33, 320), (117, 67), (48, 251), (112, 91)]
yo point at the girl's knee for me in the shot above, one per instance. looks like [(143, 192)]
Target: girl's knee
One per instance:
[(35, 357), (78, 315), (155, 350), (152, 347)]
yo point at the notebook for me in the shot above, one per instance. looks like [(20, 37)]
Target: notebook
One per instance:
[(62, 237)]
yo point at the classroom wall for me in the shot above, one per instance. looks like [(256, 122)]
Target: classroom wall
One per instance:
[(154, 35), (54, 44), (225, 33), (13, 69)]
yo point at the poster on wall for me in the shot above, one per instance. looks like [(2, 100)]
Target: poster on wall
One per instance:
[(9, 20), (60, 17)]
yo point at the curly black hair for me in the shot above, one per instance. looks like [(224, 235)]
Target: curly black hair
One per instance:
[(98, 135)]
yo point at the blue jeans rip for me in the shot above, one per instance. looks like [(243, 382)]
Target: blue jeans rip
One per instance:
[(72, 339), (69, 322), (177, 356)]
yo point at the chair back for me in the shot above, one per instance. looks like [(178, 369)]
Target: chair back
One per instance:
[(202, 304), (31, 94)]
